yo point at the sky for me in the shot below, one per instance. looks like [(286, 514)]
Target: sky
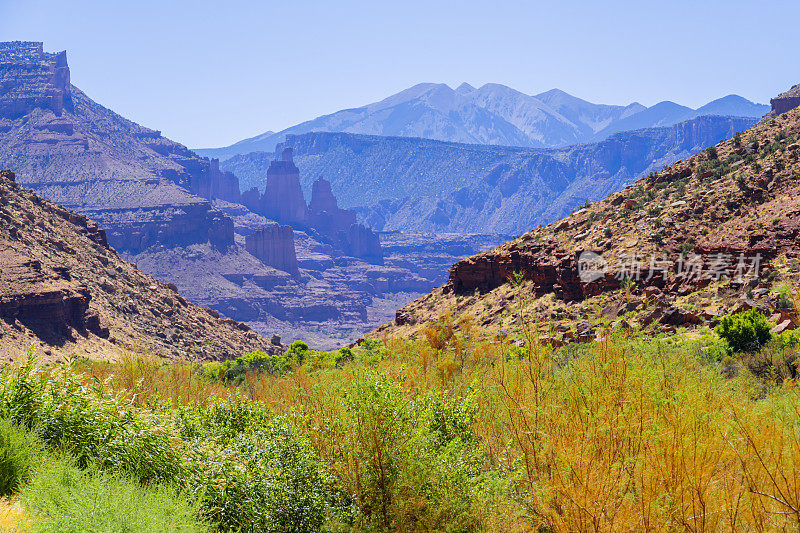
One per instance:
[(209, 73)]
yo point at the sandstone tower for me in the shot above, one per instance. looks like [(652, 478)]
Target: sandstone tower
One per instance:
[(283, 197)]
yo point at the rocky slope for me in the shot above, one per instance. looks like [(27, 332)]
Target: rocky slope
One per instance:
[(709, 235), (64, 288), (493, 114), (419, 185)]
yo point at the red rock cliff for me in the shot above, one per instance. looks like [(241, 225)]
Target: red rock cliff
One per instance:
[(283, 198)]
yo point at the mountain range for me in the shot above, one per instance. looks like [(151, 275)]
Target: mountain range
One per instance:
[(423, 185), (493, 114)]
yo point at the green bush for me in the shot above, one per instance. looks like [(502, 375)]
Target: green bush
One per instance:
[(297, 352), (416, 465), (267, 479), (19, 453), (90, 423), (63, 497), (744, 332), (257, 362), (342, 356)]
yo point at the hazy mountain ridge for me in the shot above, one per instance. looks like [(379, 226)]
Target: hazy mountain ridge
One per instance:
[(399, 183), (493, 114)]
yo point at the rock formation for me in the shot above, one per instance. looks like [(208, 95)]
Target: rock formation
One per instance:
[(31, 78), (283, 198), (786, 101), (322, 198), (274, 246), (283, 201), (364, 243), (324, 214)]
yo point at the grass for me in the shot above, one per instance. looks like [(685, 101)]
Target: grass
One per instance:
[(20, 450), (66, 498), (452, 432)]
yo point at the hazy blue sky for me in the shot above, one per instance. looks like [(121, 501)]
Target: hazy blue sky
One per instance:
[(210, 73)]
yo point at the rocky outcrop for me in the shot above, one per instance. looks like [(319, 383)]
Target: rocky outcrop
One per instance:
[(31, 78), (786, 101), (324, 214), (322, 198), (364, 243), (179, 226), (46, 302), (283, 202), (274, 246)]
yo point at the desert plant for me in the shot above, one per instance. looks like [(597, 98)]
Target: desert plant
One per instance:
[(744, 332), (267, 478)]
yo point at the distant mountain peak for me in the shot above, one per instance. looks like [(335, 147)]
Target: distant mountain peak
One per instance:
[(465, 88)]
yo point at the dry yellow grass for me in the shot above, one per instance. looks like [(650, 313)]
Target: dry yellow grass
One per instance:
[(12, 515)]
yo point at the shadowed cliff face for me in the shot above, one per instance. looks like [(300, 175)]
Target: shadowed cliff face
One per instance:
[(274, 246), (421, 185), (144, 189)]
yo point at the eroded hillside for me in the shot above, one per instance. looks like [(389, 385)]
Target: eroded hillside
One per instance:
[(64, 288)]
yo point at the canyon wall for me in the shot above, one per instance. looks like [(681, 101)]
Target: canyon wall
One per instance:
[(143, 188)]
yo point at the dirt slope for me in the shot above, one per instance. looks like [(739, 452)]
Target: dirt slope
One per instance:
[(63, 287)]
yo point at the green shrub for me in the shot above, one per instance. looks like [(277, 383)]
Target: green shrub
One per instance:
[(221, 421), (342, 356), (255, 362), (267, 479), (297, 352), (19, 453), (416, 464), (744, 332), (63, 497), (90, 423)]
